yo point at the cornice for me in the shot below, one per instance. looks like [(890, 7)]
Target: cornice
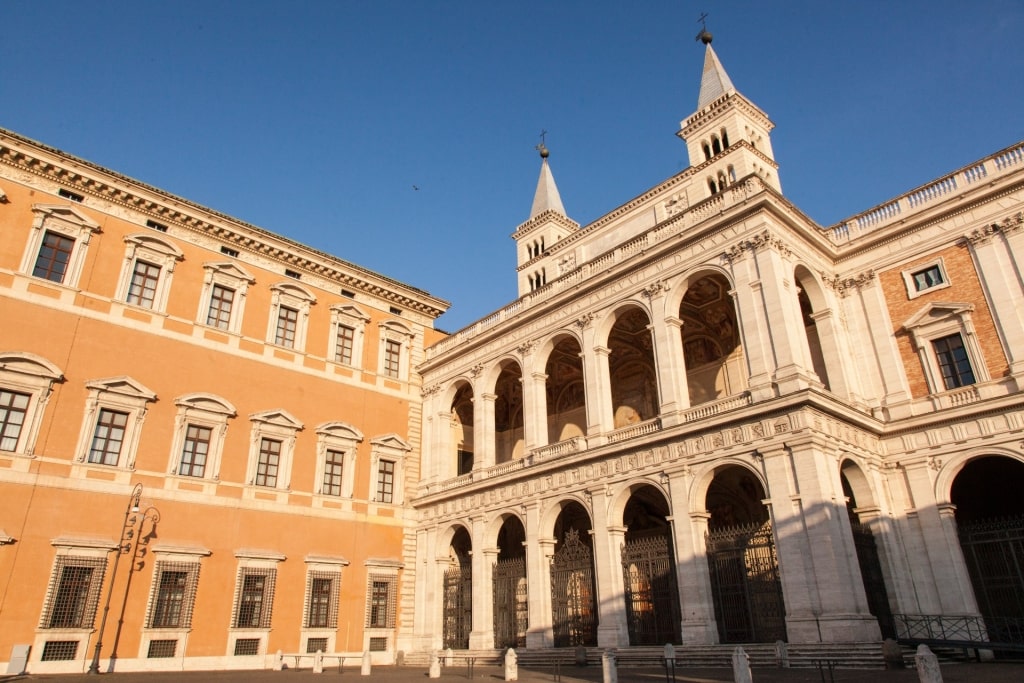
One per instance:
[(91, 179), (730, 100)]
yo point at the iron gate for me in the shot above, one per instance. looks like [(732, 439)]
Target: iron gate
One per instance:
[(994, 553), (511, 602), (458, 606), (573, 603), (652, 596), (874, 580), (745, 584)]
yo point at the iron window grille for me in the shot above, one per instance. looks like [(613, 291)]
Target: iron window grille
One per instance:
[(173, 595), (247, 647), (254, 597), (161, 649), (108, 437), (322, 599), (74, 592), (316, 645), (59, 650), (13, 410), (381, 601), (54, 256)]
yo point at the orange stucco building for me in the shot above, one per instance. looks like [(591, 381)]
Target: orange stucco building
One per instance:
[(258, 391)]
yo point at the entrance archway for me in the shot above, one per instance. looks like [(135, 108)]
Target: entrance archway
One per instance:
[(458, 593), (649, 570), (573, 593), (511, 595), (742, 562)]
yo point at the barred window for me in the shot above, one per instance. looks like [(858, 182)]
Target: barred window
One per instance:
[(380, 601), (54, 256), (74, 592), (59, 650), (322, 599), (287, 324), (108, 437), (142, 290), (247, 646), (316, 645), (269, 460), (385, 481), (333, 470), (173, 595), (195, 451), (255, 597), (159, 649), (378, 644), (343, 350), (219, 313), (13, 409)]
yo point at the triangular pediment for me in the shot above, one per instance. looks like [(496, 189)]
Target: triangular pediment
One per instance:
[(279, 418), (230, 269), (392, 441), (936, 311), (67, 213), (350, 311), (123, 386), (156, 244)]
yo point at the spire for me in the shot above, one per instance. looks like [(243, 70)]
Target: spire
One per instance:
[(714, 82), (546, 198)]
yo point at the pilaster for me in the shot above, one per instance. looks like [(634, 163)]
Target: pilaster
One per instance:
[(670, 363), (483, 430), (482, 635), (538, 575), (996, 259), (696, 604), (886, 363), (753, 326), (535, 410), (611, 629)]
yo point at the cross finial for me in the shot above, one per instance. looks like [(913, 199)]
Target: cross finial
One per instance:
[(703, 20), (704, 36), (541, 147)]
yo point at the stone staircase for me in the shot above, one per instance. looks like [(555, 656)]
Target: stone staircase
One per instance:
[(762, 655)]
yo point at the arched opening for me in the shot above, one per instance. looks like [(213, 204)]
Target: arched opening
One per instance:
[(742, 562), (458, 592), (990, 521), (511, 594), (573, 594), (712, 186), (631, 366), (508, 414), (707, 152), (868, 553), (716, 144), (813, 339), (462, 428), (725, 139), (566, 399), (649, 570), (711, 341)]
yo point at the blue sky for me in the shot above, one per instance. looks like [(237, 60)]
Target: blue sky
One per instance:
[(316, 119)]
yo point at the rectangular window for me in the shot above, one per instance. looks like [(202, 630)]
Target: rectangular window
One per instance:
[(385, 481), (269, 460), (59, 650), (953, 361), (54, 255), (320, 591), (221, 300), (247, 646), (333, 468), (108, 437), (195, 451), (343, 349), (316, 645), (380, 612), (160, 649), (927, 278), (13, 408), (392, 354), (142, 290), (74, 592), (170, 598), (255, 598), (287, 324)]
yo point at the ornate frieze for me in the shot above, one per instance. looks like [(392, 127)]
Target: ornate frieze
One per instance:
[(1008, 225), (763, 240), (654, 289), (842, 286)]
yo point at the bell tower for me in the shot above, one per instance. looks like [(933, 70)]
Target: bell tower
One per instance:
[(728, 137)]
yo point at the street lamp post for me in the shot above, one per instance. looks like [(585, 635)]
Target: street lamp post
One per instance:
[(153, 515), (124, 546)]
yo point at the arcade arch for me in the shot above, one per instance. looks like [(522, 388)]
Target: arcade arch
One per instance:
[(631, 368), (566, 397), (457, 616), (510, 587), (573, 593), (509, 442), (711, 340), (462, 429)]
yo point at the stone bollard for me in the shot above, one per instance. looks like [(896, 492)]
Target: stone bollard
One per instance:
[(318, 662), (511, 665), (609, 671), (927, 665), (892, 654), (449, 657), (741, 667), (781, 654), (367, 664), (279, 661), (581, 655), (435, 665)]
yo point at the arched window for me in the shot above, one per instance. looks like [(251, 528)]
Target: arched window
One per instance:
[(716, 144), (712, 186), (707, 152), (725, 139)]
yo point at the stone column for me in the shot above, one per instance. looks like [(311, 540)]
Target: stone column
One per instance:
[(607, 539), (597, 382), (999, 269), (695, 601), (753, 327), (873, 340), (538, 579), (427, 581), (836, 353), (442, 450), (482, 635), (535, 410), (671, 368), (483, 431)]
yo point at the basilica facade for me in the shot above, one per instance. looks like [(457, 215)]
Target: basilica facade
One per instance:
[(708, 419)]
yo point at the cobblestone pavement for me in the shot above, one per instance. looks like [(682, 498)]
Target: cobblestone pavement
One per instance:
[(990, 672)]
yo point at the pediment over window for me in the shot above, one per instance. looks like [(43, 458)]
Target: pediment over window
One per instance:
[(340, 430), (122, 386), (392, 441), (66, 213), (937, 311), (208, 403), (294, 290), (230, 270), (29, 364), (156, 244), (278, 418), (349, 311), (396, 327)]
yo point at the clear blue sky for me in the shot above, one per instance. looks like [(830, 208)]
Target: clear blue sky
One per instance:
[(316, 119)]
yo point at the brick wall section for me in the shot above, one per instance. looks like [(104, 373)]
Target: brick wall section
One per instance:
[(964, 287)]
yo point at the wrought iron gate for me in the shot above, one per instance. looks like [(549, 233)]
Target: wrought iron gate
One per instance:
[(458, 606), (745, 584), (511, 602), (994, 553), (874, 580), (573, 604), (652, 596)]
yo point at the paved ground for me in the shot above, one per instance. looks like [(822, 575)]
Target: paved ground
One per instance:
[(991, 672)]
